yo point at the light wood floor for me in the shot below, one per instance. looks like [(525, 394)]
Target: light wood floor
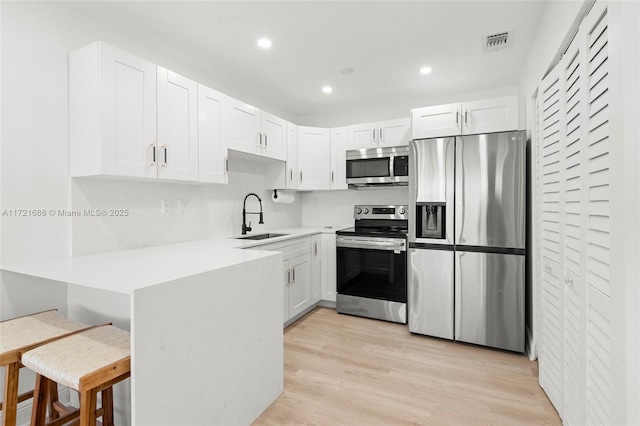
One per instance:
[(346, 370)]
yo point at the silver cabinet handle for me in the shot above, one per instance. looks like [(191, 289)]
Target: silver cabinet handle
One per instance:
[(568, 281), (466, 114), (293, 273), (153, 149), (547, 268), (265, 140), (226, 165), (164, 149), (380, 134), (315, 248), (259, 139), (288, 276), (290, 175), (331, 177), (300, 175), (457, 118)]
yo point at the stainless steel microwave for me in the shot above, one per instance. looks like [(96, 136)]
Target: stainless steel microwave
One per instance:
[(378, 167)]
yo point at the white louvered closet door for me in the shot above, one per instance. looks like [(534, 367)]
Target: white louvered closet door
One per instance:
[(599, 306), (551, 300), (576, 359), (573, 198)]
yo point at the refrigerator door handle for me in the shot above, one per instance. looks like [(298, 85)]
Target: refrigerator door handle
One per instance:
[(457, 291)]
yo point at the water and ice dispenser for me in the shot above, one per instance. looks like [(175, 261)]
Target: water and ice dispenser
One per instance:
[(430, 218)]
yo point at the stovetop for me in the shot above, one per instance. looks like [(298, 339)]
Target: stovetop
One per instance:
[(389, 221)]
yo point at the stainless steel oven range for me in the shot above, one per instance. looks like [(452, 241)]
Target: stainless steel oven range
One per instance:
[(372, 264)]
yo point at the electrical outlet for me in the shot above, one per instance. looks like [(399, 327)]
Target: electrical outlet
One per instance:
[(182, 207), (164, 207)]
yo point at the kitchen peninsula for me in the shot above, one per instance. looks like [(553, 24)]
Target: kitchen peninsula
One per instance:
[(205, 320)]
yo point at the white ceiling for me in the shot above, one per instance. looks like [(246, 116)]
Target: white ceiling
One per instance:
[(386, 42)]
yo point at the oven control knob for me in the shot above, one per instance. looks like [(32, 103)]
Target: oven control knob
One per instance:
[(402, 210), (358, 210), (366, 211)]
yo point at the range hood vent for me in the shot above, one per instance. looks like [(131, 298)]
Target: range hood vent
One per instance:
[(498, 41)]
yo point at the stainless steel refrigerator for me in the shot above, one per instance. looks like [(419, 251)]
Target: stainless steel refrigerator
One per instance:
[(467, 239)]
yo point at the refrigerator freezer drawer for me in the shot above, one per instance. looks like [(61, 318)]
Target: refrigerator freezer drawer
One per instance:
[(489, 301), (431, 292)]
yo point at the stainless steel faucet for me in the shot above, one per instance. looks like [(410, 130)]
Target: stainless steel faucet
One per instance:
[(246, 228)]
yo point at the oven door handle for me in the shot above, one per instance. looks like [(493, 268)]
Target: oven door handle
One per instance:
[(376, 245)]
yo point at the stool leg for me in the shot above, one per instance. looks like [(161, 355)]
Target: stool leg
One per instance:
[(10, 403), (107, 406), (53, 398), (88, 407), (39, 410)]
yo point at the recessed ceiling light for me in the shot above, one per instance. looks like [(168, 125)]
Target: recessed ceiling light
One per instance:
[(347, 71), (425, 70), (264, 43), (327, 89)]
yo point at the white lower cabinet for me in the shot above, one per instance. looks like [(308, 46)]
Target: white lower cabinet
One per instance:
[(328, 247), (296, 268), (298, 284), (316, 268)]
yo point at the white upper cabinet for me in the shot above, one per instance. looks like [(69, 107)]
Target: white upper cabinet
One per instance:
[(380, 134), (435, 121), (339, 158), (213, 161), (362, 136), (177, 126), (291, 178), (250, 130), (274, 135), (314, 158), (128, 117), (394, 132), (467, 118), (112, 113), (490, 115)]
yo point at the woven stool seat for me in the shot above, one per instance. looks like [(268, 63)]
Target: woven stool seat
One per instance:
[(90, 361), (21, 334), (73, 360)]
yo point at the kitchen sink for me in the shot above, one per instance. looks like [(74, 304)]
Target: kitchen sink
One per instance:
[(261, 236)]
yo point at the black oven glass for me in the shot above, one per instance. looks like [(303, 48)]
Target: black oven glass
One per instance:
[(401, 165), (375, 274), (370, 167)]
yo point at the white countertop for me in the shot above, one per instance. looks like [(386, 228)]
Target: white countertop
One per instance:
[(127, 270)]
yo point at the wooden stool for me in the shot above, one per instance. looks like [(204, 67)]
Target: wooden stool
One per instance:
[(91, 361), (21, 334)]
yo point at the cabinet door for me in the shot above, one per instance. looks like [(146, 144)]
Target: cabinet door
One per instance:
[(274, 136), (242, 126), (177, 126), (212, 152), (362, 136), (490, 115), (436, 121), (314, 158), (300, 285), (316, 268), (127, 126), (339, 158), (291, 178), (329, 267), (394, 132)]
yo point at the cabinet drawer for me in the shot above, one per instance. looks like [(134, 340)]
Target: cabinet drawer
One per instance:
[(289, 248)]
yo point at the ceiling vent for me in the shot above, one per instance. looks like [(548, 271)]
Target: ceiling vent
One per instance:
[(498, 41)]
